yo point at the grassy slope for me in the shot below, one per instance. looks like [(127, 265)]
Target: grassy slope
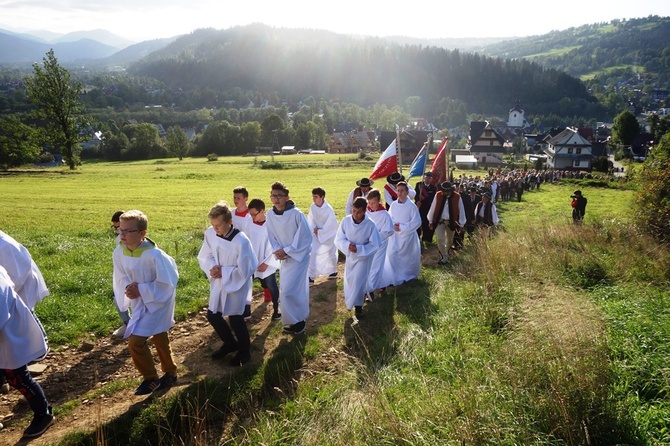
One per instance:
[(547, 334)]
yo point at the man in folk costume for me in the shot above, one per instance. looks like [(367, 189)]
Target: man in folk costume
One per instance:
[(228, 260), (291, 240), (27, 278), (390, 189), (362, 188), (403, 256), (22, 341), (323, 224), (382, 219), (425, 192), (145, 279), (486, 215), (266, 272), (358, 239), (446, 216)]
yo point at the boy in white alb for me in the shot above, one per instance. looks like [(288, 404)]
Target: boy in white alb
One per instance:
[(268, 264), (242, 220), (382, 219), (403, 256), (228, 260), (323, 224), (145, 280), (358, 239), (22, 341), (291, 241)]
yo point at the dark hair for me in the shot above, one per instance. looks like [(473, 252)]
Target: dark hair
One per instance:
[(257, 204), (319, 191), (360, 203), (116, 215), (241, 190), (278, 185)]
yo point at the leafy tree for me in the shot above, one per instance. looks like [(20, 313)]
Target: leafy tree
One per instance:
[(115, 146), (269, 124), (176, 142), (213, 139), (145, 142), (625, 128), (58, 102), (18, 142), (653, 196)]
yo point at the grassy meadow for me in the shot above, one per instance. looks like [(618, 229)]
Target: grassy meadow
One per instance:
[(548, 334)]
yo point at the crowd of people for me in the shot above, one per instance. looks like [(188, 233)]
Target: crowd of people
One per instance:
[(381, 238)]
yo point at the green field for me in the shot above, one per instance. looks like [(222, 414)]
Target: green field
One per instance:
[(547, 334)]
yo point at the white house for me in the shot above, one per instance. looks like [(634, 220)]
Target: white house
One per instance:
[(569, 151)]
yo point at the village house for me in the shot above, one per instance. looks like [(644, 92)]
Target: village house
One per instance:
[(568, 150), (351, 142), (410, 143), (486, 144)]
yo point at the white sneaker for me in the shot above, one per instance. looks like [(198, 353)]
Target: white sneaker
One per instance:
[(120, 332)]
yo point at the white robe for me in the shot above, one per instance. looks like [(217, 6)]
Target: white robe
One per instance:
[(350, 200), (388, 198), (242, 223), (382, 220), (290, 231), (22, 270), (258, 235), (156, 275), (323, 259), (229, 294), (357, 266), (21, 336), (403, 256)]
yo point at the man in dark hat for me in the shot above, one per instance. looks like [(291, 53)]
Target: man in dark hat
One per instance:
[(425, 192), (486, 215), (578, 207), (362, 188), (390, 191), (446, 216)]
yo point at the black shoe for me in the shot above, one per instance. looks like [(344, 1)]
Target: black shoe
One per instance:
[(166, 382), (147, 386), (332, 276), (239, 359), (224, 350), (359, 312), (296, 328), (40, 424), (247, 312), (370, 297), (276, 316)]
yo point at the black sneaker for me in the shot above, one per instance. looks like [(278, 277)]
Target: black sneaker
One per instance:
[(147, 386), (166, 382), (332, 276), (296, 328), (359, 312), (224, 350), (276, 316), (240, 359), (40, 424), (247, 312), (311, 281)]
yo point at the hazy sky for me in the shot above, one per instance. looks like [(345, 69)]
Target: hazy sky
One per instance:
[(149, 19)]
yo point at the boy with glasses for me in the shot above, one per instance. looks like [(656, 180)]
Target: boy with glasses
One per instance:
[(291, 241), (145, 279)]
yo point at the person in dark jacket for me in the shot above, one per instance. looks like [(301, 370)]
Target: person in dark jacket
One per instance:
[(578, 207)]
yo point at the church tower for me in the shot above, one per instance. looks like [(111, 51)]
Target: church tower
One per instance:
[(516, 116)]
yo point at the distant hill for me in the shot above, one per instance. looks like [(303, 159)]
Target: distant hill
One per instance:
[(134, 52), (17, 50), (99, 35), (296, 64), (643, 43)]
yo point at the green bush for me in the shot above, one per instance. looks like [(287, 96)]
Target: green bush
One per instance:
[(212, 157), (653, 197)]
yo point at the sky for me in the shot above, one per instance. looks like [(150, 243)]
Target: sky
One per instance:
[(139, 20)]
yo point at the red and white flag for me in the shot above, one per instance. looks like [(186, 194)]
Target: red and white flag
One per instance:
[(439, 166), (387, 162)]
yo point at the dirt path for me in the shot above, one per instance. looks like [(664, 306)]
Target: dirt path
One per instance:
[(71, 373)]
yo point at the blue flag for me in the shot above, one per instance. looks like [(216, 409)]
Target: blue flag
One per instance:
[(418, 166)]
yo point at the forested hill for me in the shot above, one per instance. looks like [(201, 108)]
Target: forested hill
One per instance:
[(294, 64), (642, 43)]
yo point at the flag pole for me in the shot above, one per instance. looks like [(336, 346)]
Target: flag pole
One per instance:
[(447, 173), (398, 152), (429, 143)]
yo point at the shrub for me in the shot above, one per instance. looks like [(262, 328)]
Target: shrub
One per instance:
[(653, 197), (212, 157)]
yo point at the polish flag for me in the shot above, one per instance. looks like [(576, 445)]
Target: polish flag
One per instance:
[(387, 163)]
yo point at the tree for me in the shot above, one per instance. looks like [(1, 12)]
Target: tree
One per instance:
[(176, 142), (57, 98), (652, 203), (625, 128), (18, 142)]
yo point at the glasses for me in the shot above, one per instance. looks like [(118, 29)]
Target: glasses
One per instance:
[(277, 196), (127, 231)]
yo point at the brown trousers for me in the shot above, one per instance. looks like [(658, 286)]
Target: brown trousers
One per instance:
[(144, 361)]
